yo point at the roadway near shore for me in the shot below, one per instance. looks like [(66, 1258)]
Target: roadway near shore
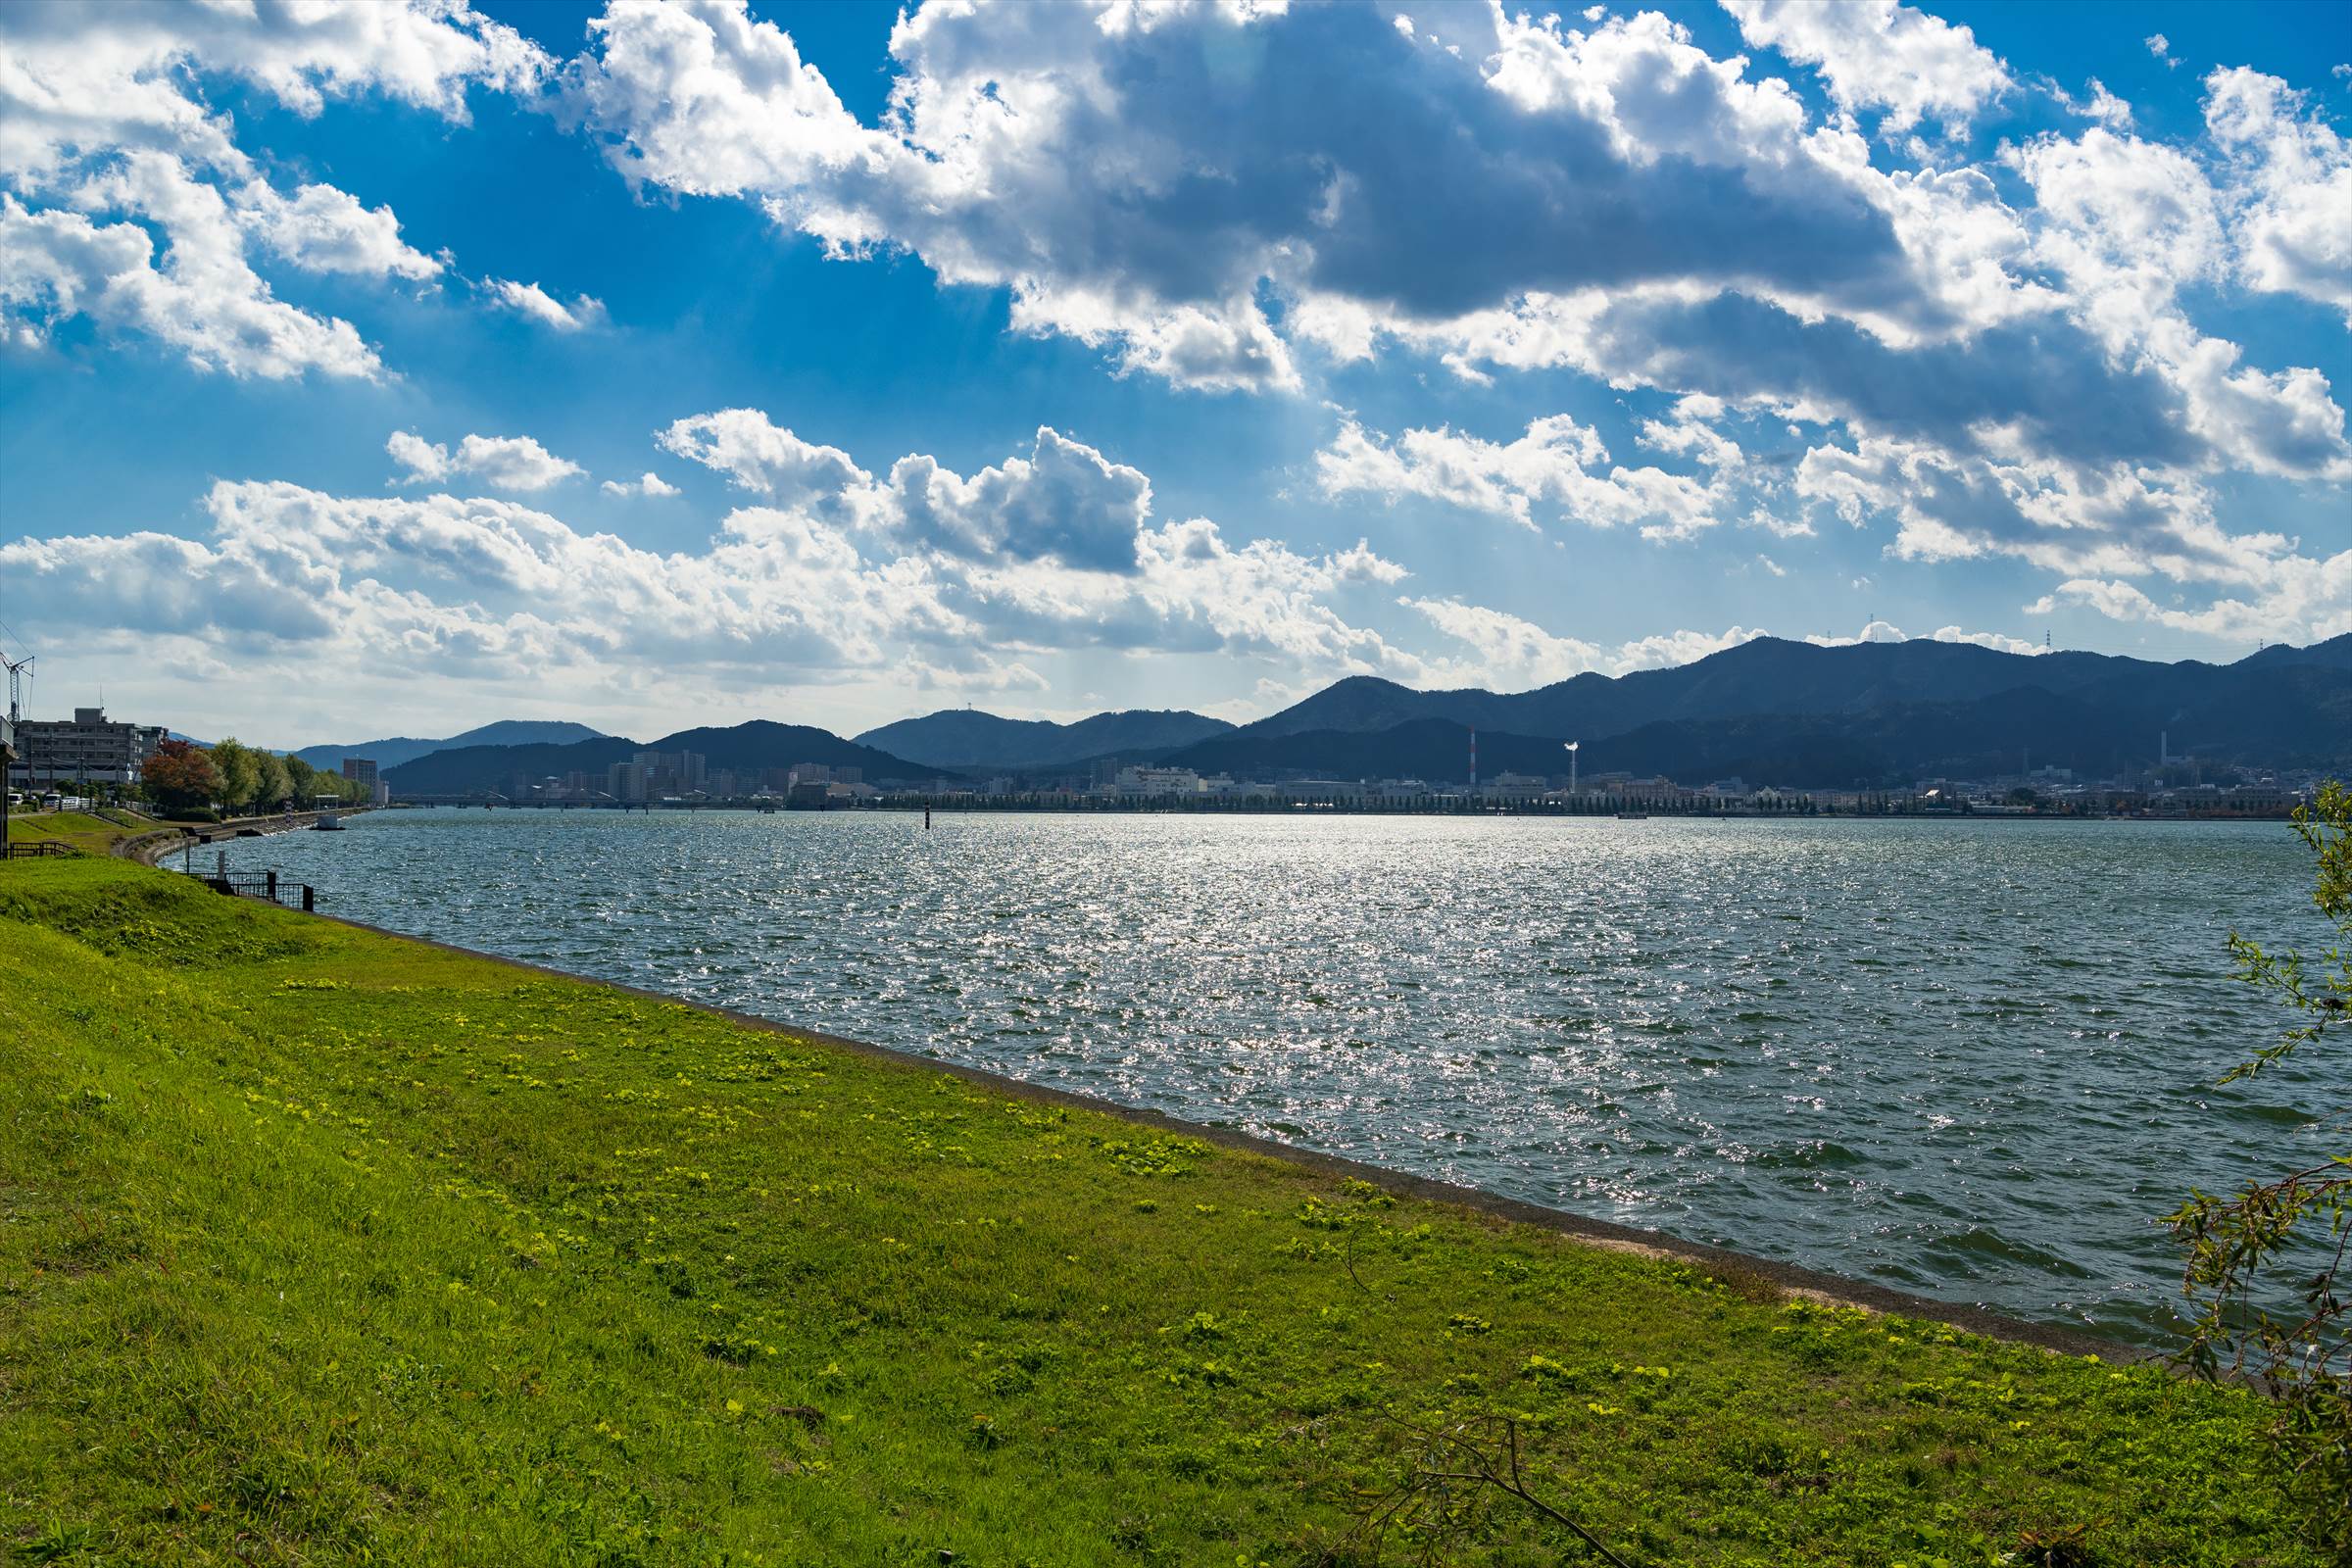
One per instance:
[(167, 838), (133, 835), (326, 1245)]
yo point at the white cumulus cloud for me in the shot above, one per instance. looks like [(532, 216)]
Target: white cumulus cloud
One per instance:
[(105, 142), (1877, 54), (1557, 466), (531, 301), (513, 462)]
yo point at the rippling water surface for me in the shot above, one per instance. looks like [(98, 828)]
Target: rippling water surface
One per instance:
[(1969, 1060)]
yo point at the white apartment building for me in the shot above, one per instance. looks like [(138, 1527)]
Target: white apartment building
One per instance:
[(88, 746), (1156, 781)]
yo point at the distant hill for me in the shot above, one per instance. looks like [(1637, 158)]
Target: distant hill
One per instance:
[(962, 738), (1769, 711), (391, 752), (757, 743), (2335, 654), (762, 743), (1768, 676), (1771, 675), (2269, 712)]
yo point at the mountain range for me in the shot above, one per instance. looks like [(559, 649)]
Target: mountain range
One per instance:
[(1871, 715), (1795, 713), (392, 751), (1770, 675), (745, 747), (965, 738)]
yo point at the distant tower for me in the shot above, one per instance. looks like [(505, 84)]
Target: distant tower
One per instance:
[(2163, 747), (1474, 761), (2045, 639), (16, 670)]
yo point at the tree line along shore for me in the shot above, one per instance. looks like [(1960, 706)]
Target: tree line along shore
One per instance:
[(324, 1246)]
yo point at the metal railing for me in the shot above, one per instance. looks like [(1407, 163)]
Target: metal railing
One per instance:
[(264, 885), (34, 850)]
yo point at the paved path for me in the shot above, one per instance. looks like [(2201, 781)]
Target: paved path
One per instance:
[(148, 849)]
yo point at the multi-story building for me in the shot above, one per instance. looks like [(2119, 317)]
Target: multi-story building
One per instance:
[(361, 770), (661, 774), (1156, 781), (87, 746)]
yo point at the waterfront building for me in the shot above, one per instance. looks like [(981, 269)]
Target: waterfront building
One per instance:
[(1320, 790), (1156, 781), (88, 746)]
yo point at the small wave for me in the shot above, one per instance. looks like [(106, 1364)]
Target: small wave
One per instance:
[(1979, 1244), (2273, 1115), (1819, 1154)]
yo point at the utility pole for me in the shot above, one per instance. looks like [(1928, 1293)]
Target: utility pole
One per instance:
[(15, 716), (16, 687)]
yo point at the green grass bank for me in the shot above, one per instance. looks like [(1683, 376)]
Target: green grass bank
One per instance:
[(89, 832), (318, 1245)]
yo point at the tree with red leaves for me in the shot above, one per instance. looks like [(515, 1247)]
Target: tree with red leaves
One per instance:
[(182, 774)]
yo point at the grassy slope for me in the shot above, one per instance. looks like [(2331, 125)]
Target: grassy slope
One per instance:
[(78, 830), (316, 1245)]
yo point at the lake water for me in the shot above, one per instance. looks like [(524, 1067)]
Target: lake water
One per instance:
[(1967, 1059)]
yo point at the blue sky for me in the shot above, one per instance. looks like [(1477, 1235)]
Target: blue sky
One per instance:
[(1195, 358)]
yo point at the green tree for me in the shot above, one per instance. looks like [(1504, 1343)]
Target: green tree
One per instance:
[(302, 779), (240, 773), (271, 786), (2285, 1239)]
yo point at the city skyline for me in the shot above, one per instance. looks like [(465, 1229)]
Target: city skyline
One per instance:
[(450, 365)]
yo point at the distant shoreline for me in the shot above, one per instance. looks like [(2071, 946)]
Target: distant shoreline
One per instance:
[(978, 805)]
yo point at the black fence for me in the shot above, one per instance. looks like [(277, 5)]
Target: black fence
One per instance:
[(264, 885), (34, 850)]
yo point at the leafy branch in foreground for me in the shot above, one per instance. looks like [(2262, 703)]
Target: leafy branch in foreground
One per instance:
[(2287, 1237)]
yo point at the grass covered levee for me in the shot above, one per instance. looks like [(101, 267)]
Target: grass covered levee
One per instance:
[(318, 1245)]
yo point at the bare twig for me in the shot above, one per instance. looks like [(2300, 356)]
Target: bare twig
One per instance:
[(1456, 1467)]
